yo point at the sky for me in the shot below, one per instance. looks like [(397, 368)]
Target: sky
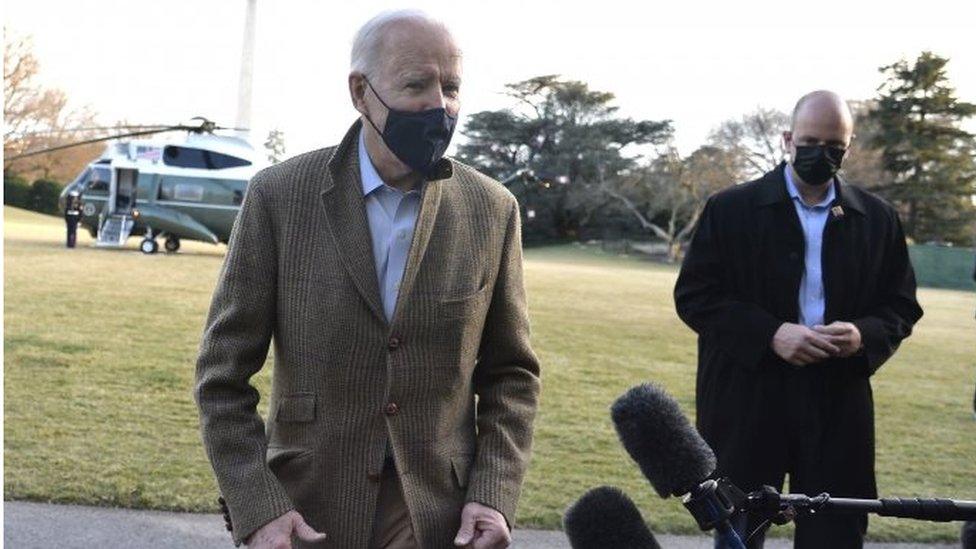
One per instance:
[(693, 62)]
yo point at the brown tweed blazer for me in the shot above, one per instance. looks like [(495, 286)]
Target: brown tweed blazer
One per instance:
[(299, 272)]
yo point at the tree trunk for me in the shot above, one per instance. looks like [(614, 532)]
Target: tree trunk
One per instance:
[(674, 251)]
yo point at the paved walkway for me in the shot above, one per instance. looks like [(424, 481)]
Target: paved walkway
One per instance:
[(42, 525)]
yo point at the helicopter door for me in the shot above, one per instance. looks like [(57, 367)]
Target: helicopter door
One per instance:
[(117, 222), (122, 196)]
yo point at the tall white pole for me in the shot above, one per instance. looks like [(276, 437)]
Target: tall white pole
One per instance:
[(247, 73)]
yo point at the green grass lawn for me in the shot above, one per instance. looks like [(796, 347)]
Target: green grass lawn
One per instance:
[(101, 344)]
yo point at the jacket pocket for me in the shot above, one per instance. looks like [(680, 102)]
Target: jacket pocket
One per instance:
[(463, 306), (296, 408), (461, 466), (294, 469), (279, 457)]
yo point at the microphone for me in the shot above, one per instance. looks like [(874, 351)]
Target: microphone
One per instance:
[(657, 435), (606, 517), (677, 461), (675, 458)]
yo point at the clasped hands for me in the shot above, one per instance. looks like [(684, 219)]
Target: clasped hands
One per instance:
[(800, 345)]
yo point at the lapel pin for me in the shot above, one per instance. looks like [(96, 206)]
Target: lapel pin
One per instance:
[(837, 211)]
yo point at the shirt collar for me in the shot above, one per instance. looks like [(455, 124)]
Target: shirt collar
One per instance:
[(795, 193), (370, 177)]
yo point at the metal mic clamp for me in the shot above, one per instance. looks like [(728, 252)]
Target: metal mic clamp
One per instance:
[(713, 502)]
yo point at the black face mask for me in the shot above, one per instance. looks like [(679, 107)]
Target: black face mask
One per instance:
[(418, 139), (817, 164)]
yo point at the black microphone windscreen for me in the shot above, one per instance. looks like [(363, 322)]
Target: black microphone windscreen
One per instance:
[(605, 517), (657, 435)]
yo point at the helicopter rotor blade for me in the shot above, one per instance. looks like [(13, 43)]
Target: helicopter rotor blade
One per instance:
[(100, 139), (94, 129), (205, 125)]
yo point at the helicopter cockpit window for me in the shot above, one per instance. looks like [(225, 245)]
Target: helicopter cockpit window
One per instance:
[(99, 178), (187, 157), (82, 179)]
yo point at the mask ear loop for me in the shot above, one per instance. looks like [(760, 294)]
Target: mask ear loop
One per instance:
[(370, 84), (370, 120)]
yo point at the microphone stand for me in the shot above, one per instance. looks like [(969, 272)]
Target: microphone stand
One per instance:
[(713, 502), (770, 501)]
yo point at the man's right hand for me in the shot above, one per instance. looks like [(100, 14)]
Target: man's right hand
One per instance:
[(800, 345), (277, 534)]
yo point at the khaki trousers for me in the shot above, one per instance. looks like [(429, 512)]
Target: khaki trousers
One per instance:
[(392, 528)]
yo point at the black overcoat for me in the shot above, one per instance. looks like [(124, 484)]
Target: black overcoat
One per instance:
[(740, 281)]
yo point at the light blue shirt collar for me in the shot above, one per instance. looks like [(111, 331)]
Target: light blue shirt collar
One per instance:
[(813, 219), (795, 193), (392, 216), (367, 172)]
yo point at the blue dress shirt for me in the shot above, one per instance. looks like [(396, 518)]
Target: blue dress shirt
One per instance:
[(392, 215), (813, 219)]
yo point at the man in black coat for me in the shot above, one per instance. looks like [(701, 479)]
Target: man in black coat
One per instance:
[(800, 287), (72, 214)]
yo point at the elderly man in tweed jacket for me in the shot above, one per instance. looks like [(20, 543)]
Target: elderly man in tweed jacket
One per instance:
[(390, 281)]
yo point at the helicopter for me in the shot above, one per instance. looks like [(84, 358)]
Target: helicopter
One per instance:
[(176, 189)]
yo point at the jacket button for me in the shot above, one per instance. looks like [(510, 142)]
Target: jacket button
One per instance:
[(373, 477), (794, 256), (392, 409), (394, 343)]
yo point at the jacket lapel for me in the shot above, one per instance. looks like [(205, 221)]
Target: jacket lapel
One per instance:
[(783, 242), (345, 214), (773, 193), (429, 204), (840, 266)]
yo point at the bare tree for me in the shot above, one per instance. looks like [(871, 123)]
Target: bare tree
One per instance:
[(755, 140), (36, 118), (667, 197)]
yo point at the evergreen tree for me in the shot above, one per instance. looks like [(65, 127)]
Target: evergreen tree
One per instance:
[(569, 135), (929, 157)]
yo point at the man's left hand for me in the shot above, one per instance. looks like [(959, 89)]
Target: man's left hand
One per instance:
[(482, 528), (844, 335)]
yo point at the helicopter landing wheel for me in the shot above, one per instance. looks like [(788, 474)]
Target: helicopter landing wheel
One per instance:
[(172, 244), (149, 246)]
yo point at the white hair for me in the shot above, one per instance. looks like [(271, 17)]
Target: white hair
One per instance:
[(368, 43)]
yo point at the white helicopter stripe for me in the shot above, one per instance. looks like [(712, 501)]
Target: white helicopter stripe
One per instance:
[(173, 203), (192, 205)]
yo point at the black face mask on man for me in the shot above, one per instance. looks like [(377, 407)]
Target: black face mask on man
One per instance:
[(817, 164), (418, 139)]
